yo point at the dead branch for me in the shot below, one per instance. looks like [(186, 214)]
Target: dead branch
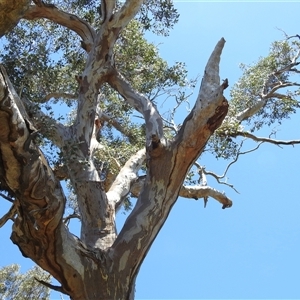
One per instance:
[(196, 192), (219, 177), (10, 214), (7, 198), (266, 140)]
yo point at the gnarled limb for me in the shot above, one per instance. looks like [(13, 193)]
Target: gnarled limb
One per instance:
[(10, 14), (37, 229), (72, 22)]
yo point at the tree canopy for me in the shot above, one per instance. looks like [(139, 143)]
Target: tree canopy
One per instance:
[(16, 286)]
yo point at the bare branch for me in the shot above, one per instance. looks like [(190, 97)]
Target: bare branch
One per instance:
[(51, 286), (270, 94), (219, 177), (211, 79), (50, 12), (290, 37), (55, 131), (67, 219), (267, 140), (10, 214), (127, 175), (154, 124), (202, 174), (7, 198), (196, 192), (58, 95)]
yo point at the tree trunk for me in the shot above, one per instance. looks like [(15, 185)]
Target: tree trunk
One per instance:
[(99, 264)]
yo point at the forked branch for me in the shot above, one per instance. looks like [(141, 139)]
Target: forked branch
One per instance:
[(195, 192)]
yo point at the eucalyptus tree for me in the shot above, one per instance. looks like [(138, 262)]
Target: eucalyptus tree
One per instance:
[(92, 56), (17, 286)]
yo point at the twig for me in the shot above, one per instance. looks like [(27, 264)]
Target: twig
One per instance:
[(266, 140), (219, 177), (67, 219), (51, 286), (7, 198), (10, 214)]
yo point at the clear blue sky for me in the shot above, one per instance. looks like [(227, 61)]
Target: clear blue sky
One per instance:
[(252, 249)]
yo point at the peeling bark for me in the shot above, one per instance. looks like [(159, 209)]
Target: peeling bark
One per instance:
[(99, 264), (10, 14)]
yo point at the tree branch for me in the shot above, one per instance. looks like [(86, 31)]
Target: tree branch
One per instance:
[(105, 117), (107, 7), (7, 198), (249, 112), (219, 177), (10, 214), (58, 95), (266, 140), (270, 94), (210, 108), (154, 124), (54, 130), (127, 12), (37, 230), (51, 286), (127, 175), (70, 21), (196, 192)]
